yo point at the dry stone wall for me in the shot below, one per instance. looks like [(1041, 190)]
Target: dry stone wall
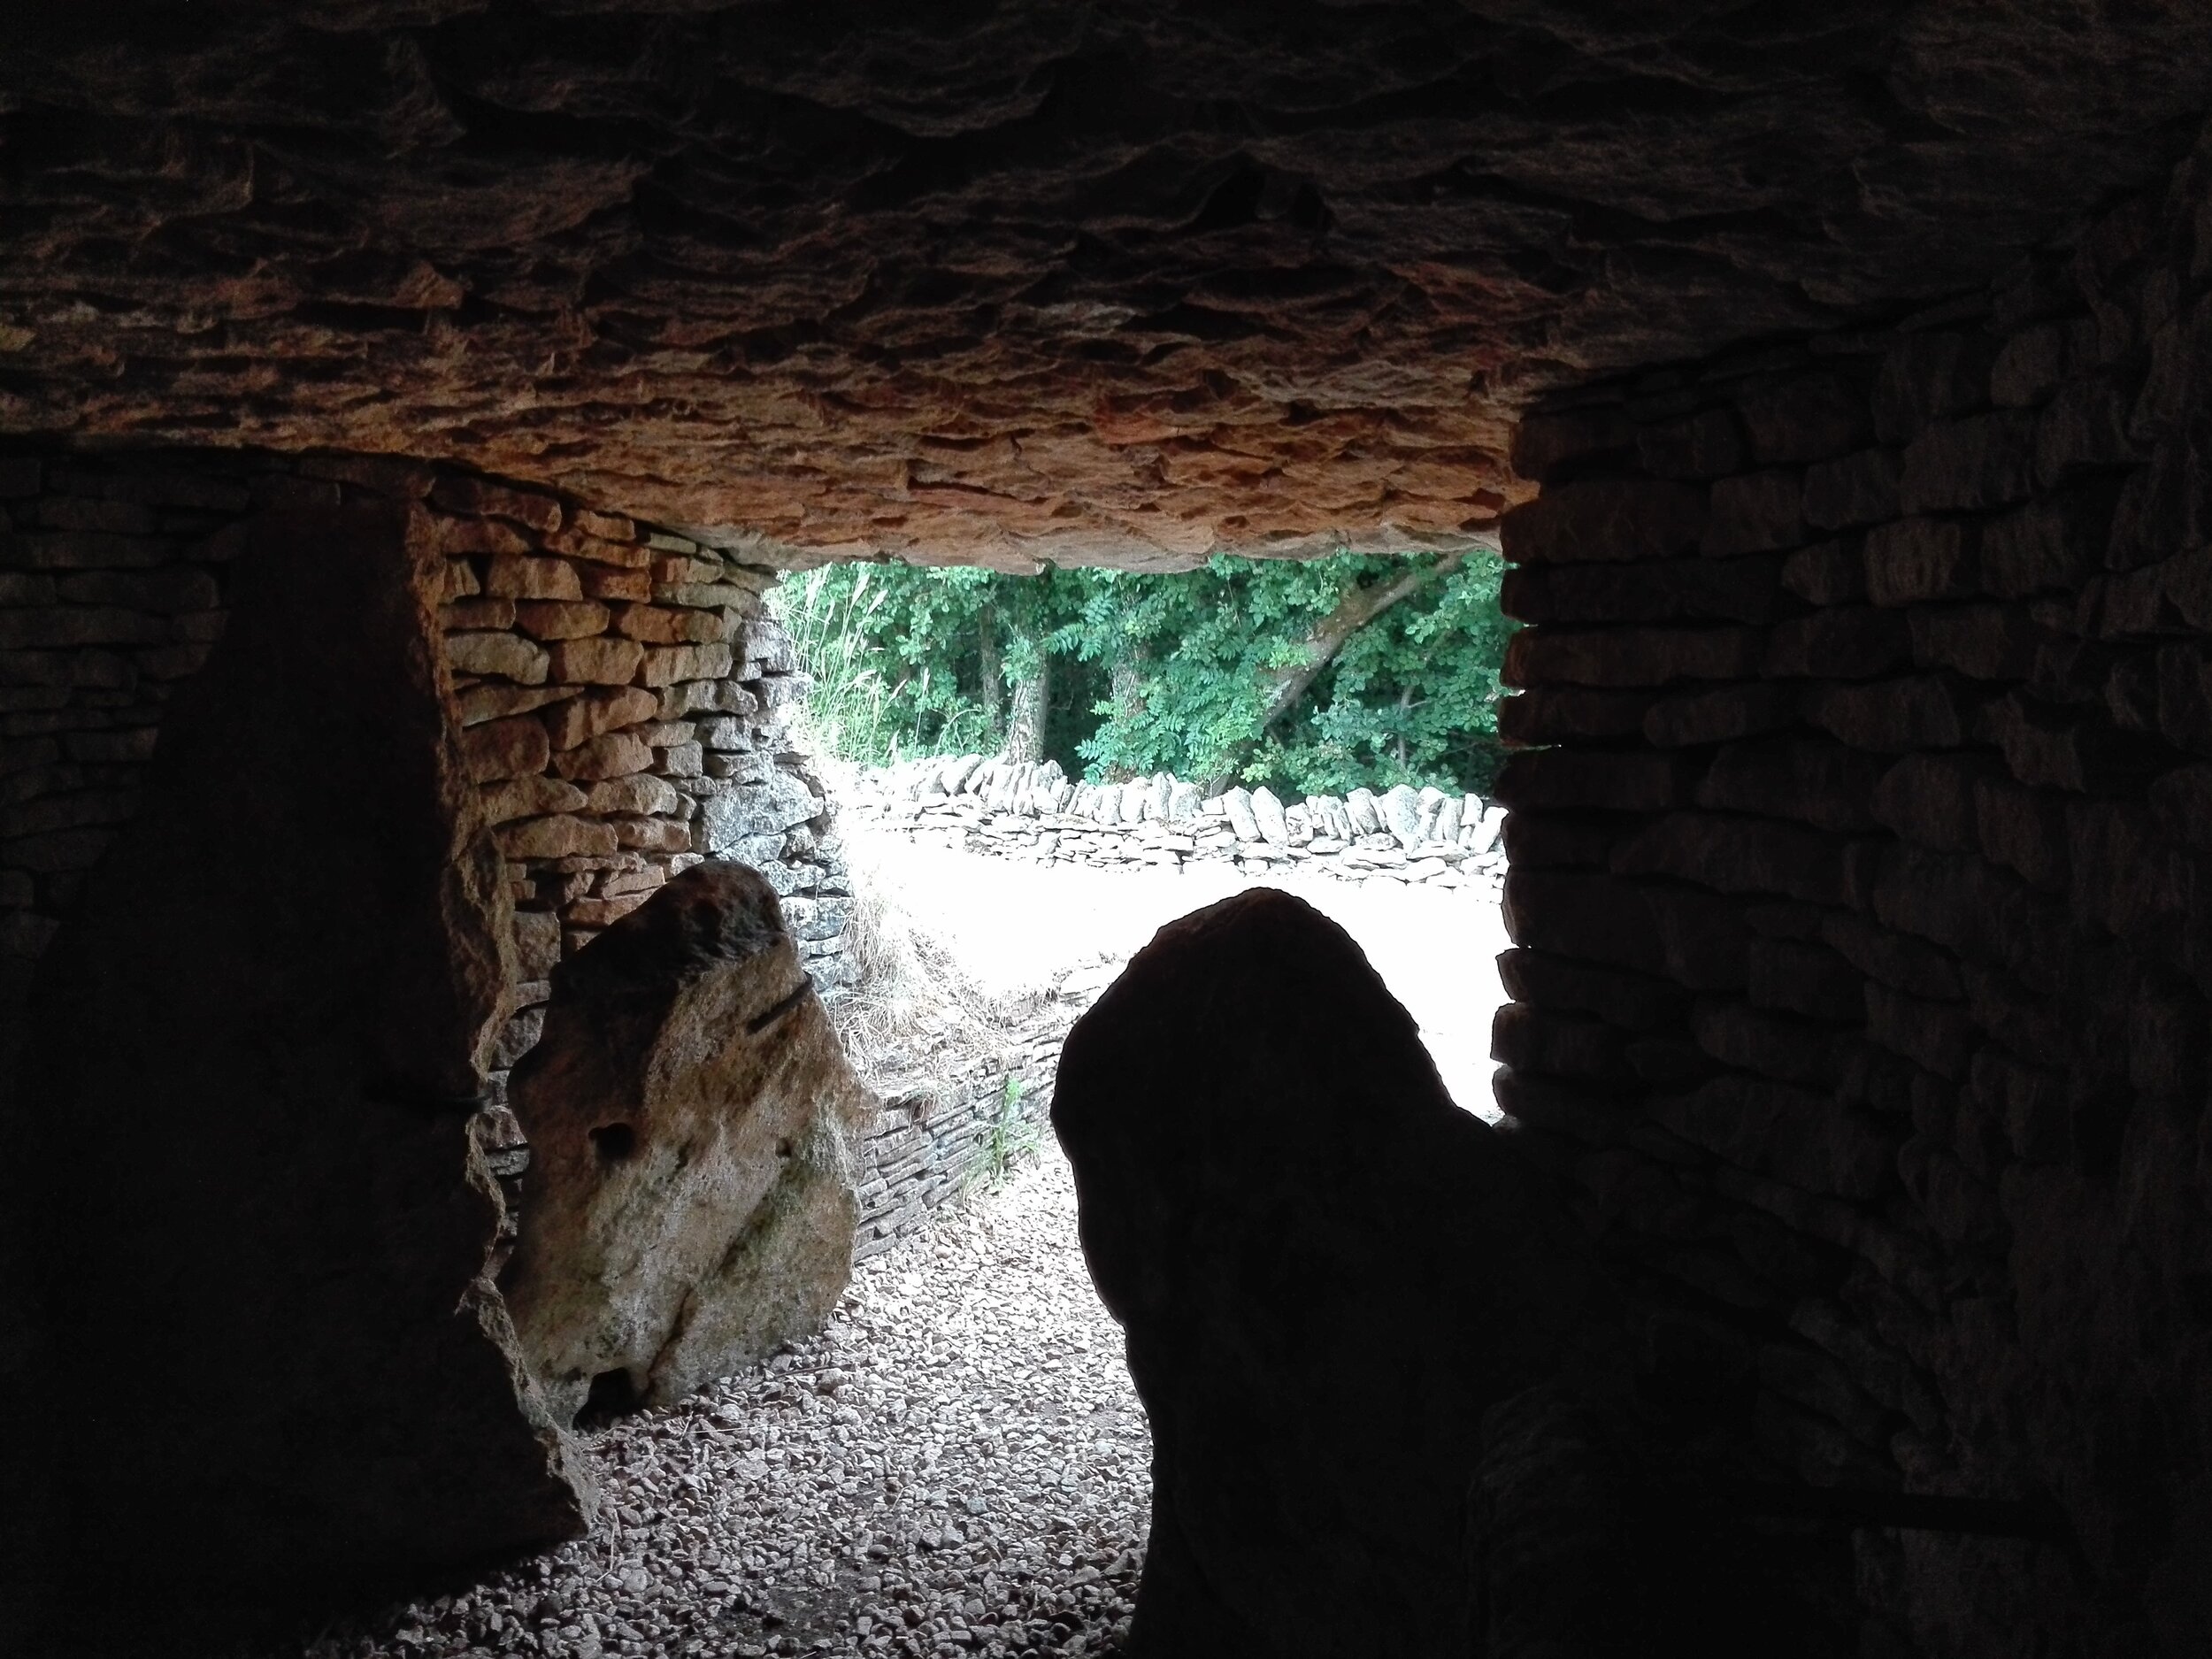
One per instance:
[(623, 702), (622, 695), (1863, 916), (1025, 809), (934, 1141)]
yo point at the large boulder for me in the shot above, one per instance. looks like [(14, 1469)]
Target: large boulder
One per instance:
[(690, 1205), (1326, 1272), (1589, 1538), (243, 1158)]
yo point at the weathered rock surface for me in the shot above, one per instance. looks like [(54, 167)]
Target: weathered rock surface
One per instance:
[(766, 805), (1585, 1545), (1326, 1272), (1128, 284), (1401, 810), (1267, 818), (242, 1166), (690, 1201)]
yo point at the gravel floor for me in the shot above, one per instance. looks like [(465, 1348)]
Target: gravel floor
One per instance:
[(958, 1465)]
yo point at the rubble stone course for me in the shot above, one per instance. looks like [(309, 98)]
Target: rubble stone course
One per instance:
[(1860, 975), (1032, 811), (934, 1140)]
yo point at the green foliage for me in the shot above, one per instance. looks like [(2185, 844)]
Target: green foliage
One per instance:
[(1165, 672), (1010, 1136), (1410, 698), (1413, 696), (895, 653)]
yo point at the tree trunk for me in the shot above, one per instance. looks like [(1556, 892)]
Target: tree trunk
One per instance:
[(1025, 718), (992, 690), (1126, 681), (1358, 607)]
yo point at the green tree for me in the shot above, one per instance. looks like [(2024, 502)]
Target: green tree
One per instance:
[(1411, 698), (898, 656), (1313, 676)]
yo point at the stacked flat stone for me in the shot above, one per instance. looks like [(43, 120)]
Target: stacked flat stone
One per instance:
[(1032, 810), (110, 592), (625, 701), (622, 697), (1862, 896), (930, 1142)]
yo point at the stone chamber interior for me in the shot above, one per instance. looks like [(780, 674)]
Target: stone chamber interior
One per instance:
[(405, 407)]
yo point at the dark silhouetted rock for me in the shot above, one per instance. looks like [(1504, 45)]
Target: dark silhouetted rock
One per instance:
[(1584, 1544), (242, 1150), (1551, 1528), (690, 1203), (1327, 1272)]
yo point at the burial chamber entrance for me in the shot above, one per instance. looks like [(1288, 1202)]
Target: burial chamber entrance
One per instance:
[(405, 413)]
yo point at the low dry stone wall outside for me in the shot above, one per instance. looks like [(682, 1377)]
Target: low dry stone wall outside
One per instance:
[(1032, 810), (1861, 905), (935, 1140), (622, 695)]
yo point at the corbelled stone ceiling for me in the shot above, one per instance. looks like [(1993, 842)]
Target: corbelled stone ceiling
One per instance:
[(1120, 283)]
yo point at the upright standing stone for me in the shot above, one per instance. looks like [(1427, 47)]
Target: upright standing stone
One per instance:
[(691, 1192), (1488, 828), (1431, 810), (261, 1227), (1159, 798), (1402, 816), (1237, 805), (1267, 813), (1326, 1272)]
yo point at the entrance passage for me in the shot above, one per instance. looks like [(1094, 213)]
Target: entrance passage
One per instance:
[(957, 1464)]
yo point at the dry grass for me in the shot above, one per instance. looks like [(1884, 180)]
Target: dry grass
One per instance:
[(915, 1015)]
